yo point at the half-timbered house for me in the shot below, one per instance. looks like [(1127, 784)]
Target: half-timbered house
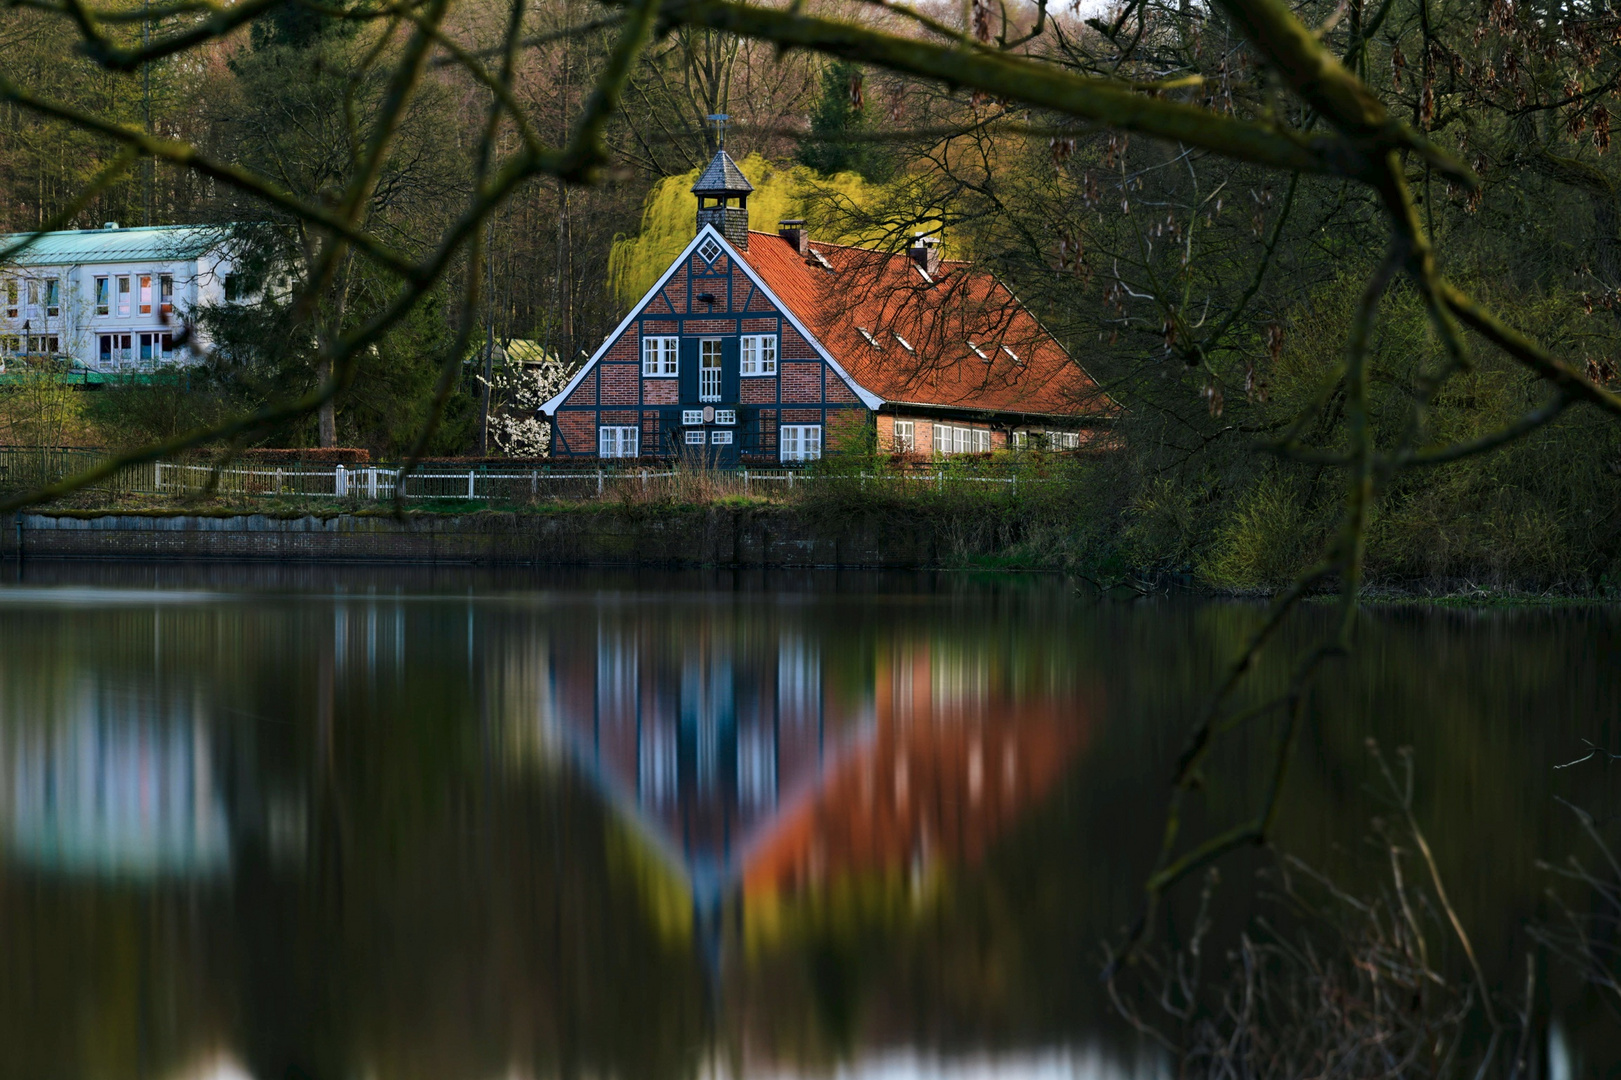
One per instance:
[(772, 347)]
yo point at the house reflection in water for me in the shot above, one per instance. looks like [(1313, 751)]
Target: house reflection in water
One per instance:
[(116, 782), (703, 738), (763, 773)]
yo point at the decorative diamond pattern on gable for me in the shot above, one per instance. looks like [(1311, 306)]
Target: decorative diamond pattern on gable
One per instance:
[(709, 250)]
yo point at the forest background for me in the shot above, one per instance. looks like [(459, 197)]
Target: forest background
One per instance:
[(1210, 297)]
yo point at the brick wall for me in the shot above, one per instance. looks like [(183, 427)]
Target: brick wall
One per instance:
[(772, 537), (617, 382), (794, 346), (579, 431), (801, 382), (585, 393), (620, 384), (843, 425), (922, 434), (836, 388)]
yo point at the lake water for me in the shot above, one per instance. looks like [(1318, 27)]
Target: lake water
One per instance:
[(391, 824)]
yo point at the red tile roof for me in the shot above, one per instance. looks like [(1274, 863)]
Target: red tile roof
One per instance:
[(961, 340)]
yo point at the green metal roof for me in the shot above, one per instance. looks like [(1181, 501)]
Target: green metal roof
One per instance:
[(142, 244)]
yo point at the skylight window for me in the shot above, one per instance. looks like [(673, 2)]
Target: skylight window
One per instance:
[(979, 352), (821, 259), (907, 345), (870, 339), (1012, 355)]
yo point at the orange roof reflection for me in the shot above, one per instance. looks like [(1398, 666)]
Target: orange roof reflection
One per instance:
[(951, 764)]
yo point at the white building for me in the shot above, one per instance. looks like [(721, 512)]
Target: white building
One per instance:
[(115, 299)]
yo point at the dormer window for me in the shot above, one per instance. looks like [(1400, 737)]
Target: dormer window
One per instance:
[(907, 345), (868, 335)]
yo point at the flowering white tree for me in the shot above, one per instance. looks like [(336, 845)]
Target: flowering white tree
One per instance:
[(516, 395)]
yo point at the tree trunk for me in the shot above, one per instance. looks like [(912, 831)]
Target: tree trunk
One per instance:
[(327, 418)]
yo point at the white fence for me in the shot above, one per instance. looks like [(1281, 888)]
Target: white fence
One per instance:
[(382, 482), (22, 468)]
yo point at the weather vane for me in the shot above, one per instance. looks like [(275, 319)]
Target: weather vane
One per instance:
[(719, 120)]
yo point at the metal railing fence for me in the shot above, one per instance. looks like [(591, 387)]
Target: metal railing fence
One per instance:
[(31, 467)]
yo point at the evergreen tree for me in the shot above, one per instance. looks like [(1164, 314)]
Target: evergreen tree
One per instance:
[(838, 114)]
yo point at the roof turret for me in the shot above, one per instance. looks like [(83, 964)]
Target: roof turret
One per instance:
[(722, 177)]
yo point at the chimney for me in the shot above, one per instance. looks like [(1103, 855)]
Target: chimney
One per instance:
[(793, 230), (925, 251)]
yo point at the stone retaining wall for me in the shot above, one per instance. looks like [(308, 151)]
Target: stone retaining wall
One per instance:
[(714, 537)]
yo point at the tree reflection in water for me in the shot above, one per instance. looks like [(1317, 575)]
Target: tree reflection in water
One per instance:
[(464, 826)]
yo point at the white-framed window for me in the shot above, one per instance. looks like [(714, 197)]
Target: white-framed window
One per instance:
[(953, 439), (113, 350), (11, 298), (659, 355), (103, 305), (233, 288), (165, 294), (800, 442), (53, 297), (709, 350), (905, 437), (1021, 440), (618, 441), (10, 344), (44, 344), (155, 348), (146, 294), (721, 438), (123, 295), (725, 416), (692, 416), (695, 438), (759, 354), (709, 250), (1063, 440)]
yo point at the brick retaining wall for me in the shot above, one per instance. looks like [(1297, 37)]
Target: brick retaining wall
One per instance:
[(715, 537)]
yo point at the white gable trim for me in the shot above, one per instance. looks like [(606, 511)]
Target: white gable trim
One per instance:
[(550, 407), (868, 398)]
